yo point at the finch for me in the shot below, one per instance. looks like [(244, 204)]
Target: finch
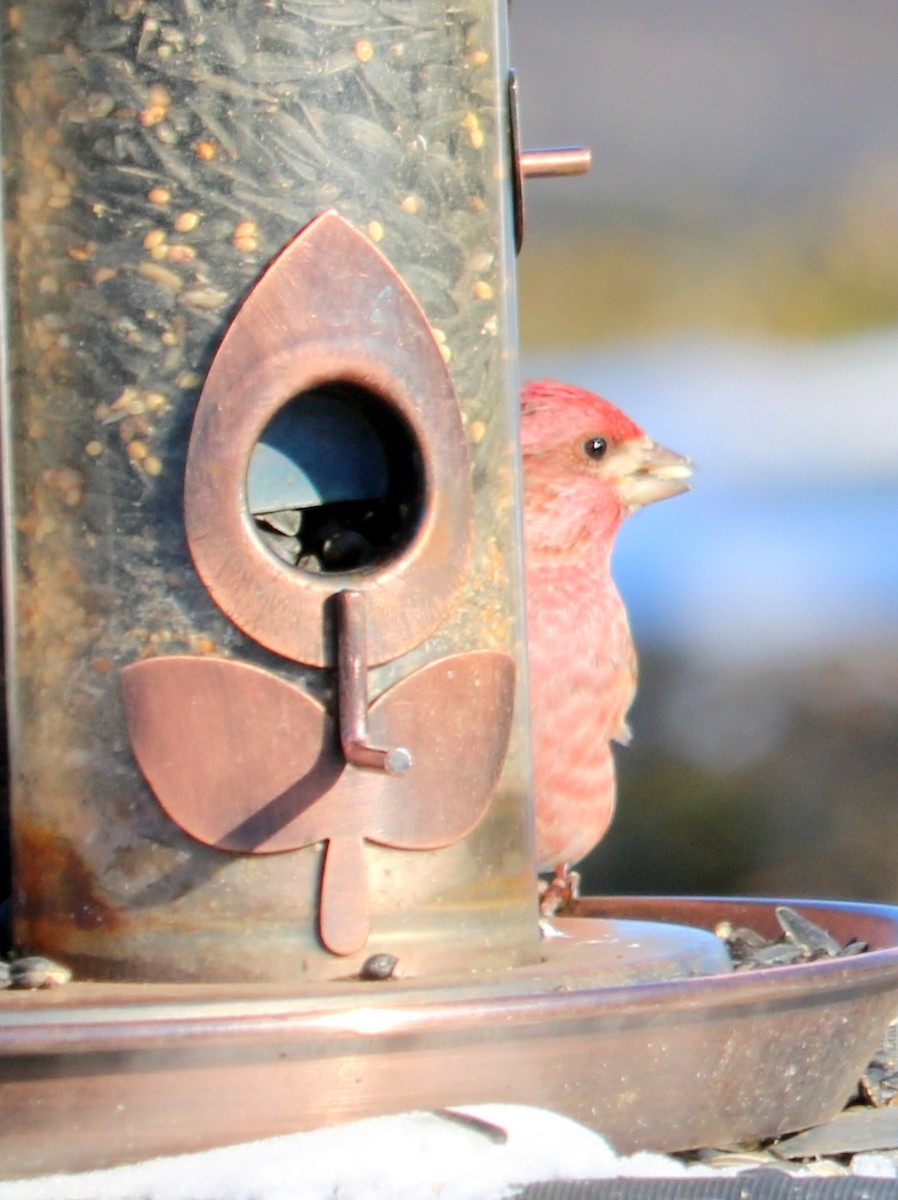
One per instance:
[(587, 466)]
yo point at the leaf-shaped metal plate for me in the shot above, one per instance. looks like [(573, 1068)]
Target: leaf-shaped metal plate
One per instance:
[(234, 754), (246, 762), (329, 310), (454, 716)]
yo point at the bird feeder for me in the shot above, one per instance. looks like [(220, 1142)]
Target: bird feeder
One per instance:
[(268, 688), (268, 676)]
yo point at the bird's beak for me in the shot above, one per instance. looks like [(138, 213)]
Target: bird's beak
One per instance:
[(655, 473)]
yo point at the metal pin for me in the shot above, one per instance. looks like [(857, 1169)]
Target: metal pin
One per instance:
[(562, 160), (535, 164), (352, 691)]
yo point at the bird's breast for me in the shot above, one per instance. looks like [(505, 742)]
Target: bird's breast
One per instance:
[(582, 658)]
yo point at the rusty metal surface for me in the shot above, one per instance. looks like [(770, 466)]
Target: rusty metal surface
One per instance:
[(329, 310), (248, 763), (101, 1074)]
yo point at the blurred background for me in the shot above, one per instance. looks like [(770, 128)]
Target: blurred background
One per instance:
[(728, 274)]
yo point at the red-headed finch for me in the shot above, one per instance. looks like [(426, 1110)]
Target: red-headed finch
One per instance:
[(587, 466)]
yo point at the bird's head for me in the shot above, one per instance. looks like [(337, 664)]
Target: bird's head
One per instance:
[(587, 466)]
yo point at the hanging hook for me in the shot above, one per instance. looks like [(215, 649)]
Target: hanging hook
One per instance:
[(352, 691)]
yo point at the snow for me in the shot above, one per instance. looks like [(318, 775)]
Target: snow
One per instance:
[(403, 1157)]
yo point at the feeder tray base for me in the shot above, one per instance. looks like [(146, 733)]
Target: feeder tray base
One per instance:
[(616, 1029)]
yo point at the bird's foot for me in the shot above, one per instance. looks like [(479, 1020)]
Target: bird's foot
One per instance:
[(558, 894)]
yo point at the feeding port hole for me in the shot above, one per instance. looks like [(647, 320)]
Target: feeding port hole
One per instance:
[(335, 482)]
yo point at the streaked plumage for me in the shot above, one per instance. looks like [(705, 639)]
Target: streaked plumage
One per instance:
[(582, 659)]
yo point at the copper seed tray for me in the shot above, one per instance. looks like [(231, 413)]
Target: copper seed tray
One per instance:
[(96, 1074)]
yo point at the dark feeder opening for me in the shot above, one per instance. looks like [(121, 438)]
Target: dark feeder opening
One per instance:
[(336, 481)]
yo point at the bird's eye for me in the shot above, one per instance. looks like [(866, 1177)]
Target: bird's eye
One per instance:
[(595, 447)]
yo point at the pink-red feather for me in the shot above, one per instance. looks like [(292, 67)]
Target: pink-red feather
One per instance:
[(582, 659)]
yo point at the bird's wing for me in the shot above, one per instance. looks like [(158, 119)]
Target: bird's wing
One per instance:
[(623, 689)]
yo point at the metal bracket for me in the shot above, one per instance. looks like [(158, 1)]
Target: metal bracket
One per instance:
[(536, 164)]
